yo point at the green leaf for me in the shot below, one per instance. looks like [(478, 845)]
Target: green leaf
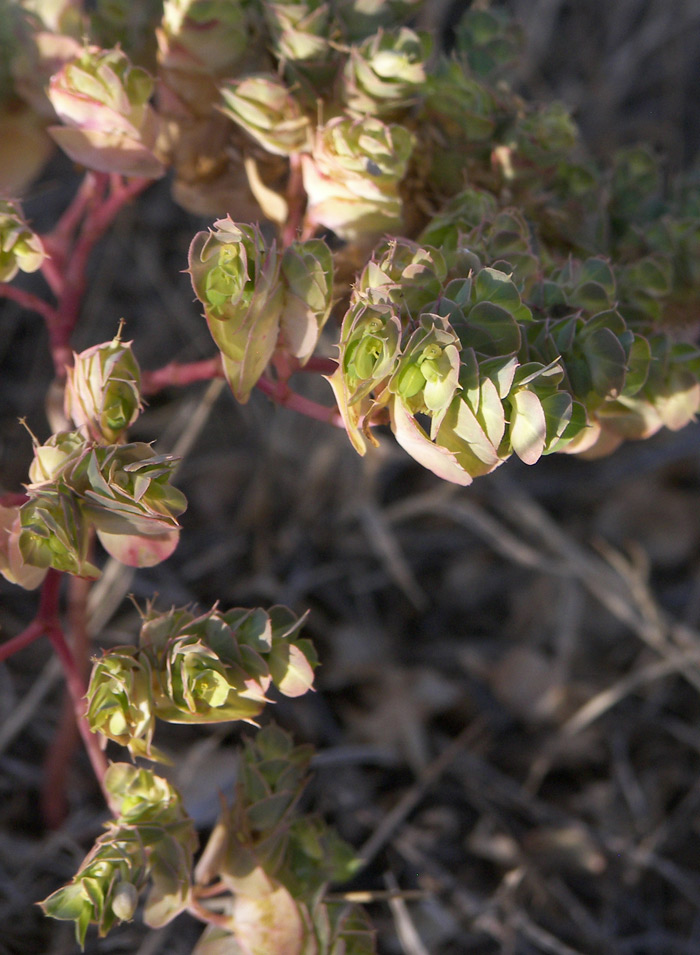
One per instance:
[(489, 329), (606, 360), (638, 362)]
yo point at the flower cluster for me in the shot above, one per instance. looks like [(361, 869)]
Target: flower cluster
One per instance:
[(211, 668), (257, 299), (90, 480), (152, 841)]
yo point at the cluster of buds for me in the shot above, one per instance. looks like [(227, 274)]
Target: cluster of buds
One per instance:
[(420, 342), (123, 491), (257, 299), (385, 74), (299, 30), (152, 840), (108, 124), (89, 479), (276, 862), (263, 106), (211, 668), (352, 176)]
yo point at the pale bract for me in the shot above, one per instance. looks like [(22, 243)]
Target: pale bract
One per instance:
[(108, 124), (353, 174)]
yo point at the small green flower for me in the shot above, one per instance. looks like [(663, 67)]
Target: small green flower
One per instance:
[(20, 248), (236, 276)]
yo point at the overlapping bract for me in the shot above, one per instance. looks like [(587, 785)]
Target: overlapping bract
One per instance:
[(151, 842), (277, 863), (123, 491), (108, 123), (210, 668), (352, 176), (102, 394)]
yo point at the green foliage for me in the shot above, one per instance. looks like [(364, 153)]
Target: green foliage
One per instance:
[(277, 863)]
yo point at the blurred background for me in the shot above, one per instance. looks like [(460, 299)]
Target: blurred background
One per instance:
[(509, 702)]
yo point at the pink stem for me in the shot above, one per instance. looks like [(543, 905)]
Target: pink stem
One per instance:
[(28, 635), (54, 789), (282, 394), (181, 374), (52, 272), (320, 366), (98, 218), (29, 301), (77, 688)]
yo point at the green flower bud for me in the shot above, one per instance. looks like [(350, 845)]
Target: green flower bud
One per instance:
[(427, 375), (369, 346), (299, 29), (263, 106), (236, 276), (62, 452), (120, 700), (20, 248), (124, 901), (352, 176), (102, 391), (307, 272), (109, 126), (384, 75)]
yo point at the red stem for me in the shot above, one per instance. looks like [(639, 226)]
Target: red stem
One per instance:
[(28, 635), (181, 374), (282, 394), (77, 688), (29, 301), (48, 602), (54, 800)]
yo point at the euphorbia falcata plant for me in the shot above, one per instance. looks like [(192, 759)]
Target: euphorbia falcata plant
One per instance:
[(486, 290)]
